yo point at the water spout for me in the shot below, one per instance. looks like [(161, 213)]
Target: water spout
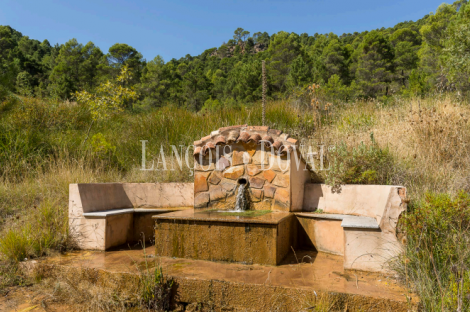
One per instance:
[(241, 203)]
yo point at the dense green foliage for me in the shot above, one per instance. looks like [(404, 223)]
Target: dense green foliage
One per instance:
[(437, 258), (411, 58)]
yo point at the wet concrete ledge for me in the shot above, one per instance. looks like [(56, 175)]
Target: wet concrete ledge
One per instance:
[(209, 216), (295, 285)]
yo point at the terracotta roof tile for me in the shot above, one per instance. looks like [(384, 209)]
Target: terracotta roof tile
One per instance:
[(244, 136), (255, 138), (223, 129), (277, 145), (275, 132), (220, 140), (257, 128), (208, 146), (206, 138), (281, 142), (197, 151), (232, 137), (285, 149), (269, 139), (293, 141)]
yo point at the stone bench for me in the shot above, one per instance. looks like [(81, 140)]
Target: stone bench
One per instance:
[(104, 215), (358, 222)]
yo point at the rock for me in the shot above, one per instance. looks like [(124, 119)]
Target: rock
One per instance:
[(269, 175), (252, 170), (237, 158), (217, 193), (256, 182), (277, 163), (240, 158), (282, 180), (222, 163), (269, 191), (256, 195), (215, 177), (193, 307), (261, 158), (228, 185), (234, 172), (205, 163), (201, 200), (246, 158), (293, 141), (200, 182), (209, 167), (282, 198), (265, 204)]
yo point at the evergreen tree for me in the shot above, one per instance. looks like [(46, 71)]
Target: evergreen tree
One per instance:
[(375, 65), (456, 52)]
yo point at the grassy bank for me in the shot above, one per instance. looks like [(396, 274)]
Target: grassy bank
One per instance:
[(419, 143)]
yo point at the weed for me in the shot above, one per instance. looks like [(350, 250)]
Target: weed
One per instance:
[(437, 260)]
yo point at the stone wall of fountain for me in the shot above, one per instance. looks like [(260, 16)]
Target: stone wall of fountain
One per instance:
[(263, 163)]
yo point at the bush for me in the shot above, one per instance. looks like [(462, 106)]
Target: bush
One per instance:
[(45, 229), (437, 259), (364, 164)]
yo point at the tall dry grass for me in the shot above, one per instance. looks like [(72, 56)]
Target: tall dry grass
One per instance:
[(428, 140)]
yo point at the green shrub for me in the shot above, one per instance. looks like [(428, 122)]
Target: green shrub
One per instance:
[(364, 164), (437, 259), (44, 229)]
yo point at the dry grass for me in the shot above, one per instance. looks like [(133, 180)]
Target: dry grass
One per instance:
[(428, 140)]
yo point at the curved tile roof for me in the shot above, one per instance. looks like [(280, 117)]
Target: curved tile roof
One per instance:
[(281, 142)]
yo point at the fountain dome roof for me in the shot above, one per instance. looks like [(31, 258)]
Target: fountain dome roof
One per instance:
[(281, 142)]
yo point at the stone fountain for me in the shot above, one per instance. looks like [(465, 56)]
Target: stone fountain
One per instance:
[(252, 202), (237, 169)]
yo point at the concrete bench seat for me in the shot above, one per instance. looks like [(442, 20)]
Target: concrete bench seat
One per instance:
[(114, 212), (104, 215), (358, 222), (107, 213), (348, 221)]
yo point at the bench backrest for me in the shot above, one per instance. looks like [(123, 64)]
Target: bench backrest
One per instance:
[(93, 197), (358, 200)]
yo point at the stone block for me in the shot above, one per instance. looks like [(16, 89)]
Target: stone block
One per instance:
[(234, 173), (200, 182), (252, 170), (269, 191), (256, 182), (228, 185), (277, 163), (215, 177), (281, 180), (238, 158), (281, 198), (204, 167), (201, 200), (256, 195), (222, 163), (269, 175), (260, 158), (217, 193)]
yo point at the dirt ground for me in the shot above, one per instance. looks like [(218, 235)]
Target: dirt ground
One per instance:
[(26, 299)]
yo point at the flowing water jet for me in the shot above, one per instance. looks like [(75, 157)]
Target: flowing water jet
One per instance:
[(241, 203)]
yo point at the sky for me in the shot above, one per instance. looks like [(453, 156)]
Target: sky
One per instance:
[(175, 28)]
